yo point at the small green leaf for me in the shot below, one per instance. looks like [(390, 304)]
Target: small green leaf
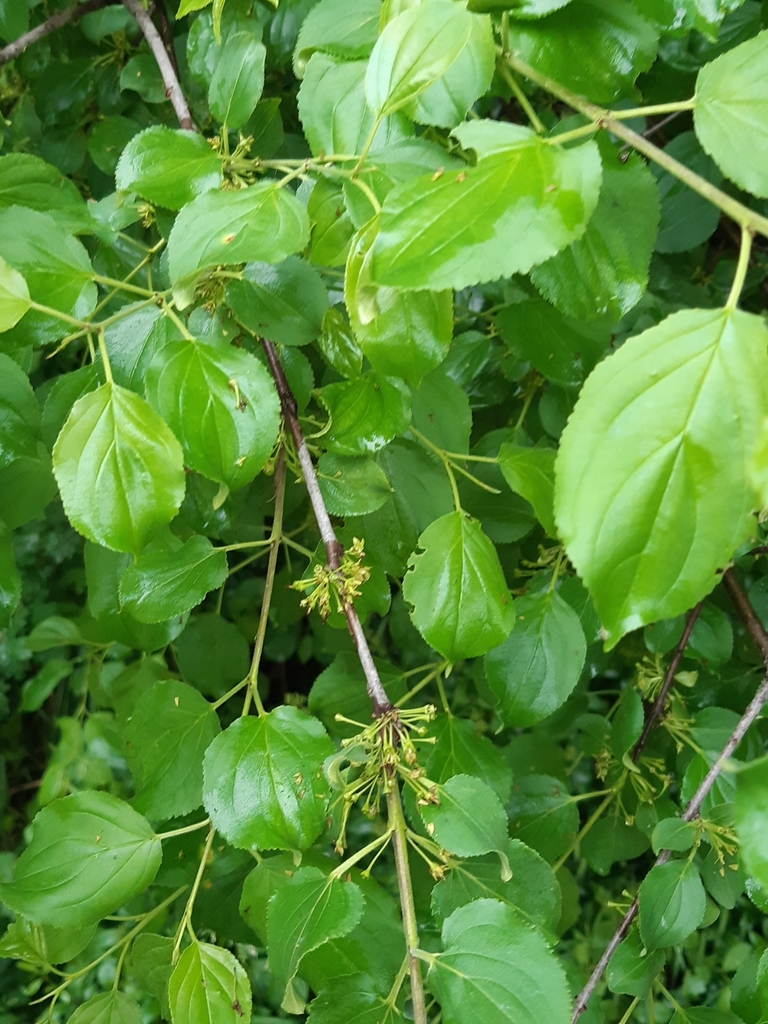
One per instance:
[(19, 413), (14, 296), (212, 654), (342, 1002), (632, 970), (29, 182), (366, 414), (107, 140), (119, 469), (627, 723), (610, 840), (285, 303), (459, 597), (209, 986), (166, 737), (673, 834), (516, 208), (262, 222), (413, 51), (351, 486), (751, 812), (238, 80), (495, 968), (89, 854), (163, 584), (618, 483), (263, 781), (344, 28), (108, 1008), (54, 631), (469, 820), (221, 403), (303, 914), (687, 218), (731, 113), (36, 690), (461, 750), (672, 904), (534, 671), (142, 75), (530, 472), (168, 167), (543, 815), (151, 965)]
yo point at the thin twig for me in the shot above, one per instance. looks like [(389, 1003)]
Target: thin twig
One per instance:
[(656, 711), (170, 78), (756, 705), (166, 33), (334, 550), (18, 46)]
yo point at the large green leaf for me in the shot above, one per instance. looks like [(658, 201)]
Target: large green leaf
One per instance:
[(89, 854), (605, 272), (261, 222), (209, 986), (731, 113), (304, 913), (19, 413), (595, 47), (469, 820), (366, 414), (119, 469), (344, 28), (534, 671), (168, 167), (285, 303), (672, 903), (221, 403), (651, 495), (460, 601), (14, 296), (413, 51), (108, 1008), (517, 207), (166, 737), (497, 969), (162, 584), (134, 340), (263, 781), (28, 181), (238, 79), (14, 20)]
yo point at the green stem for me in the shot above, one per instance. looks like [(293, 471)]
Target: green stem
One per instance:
[(123, 286), (368, 143), (592, 820), (269, 583), (350, 862), (656, 108), (105, 358), (521, 98), (604, 119), (410, 924), (49, 311), (186, 917), (168, 311), (742, 267), (630, 1010), (185, 830), (446, 464)]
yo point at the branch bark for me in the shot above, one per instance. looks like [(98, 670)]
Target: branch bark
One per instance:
[(333, 548), (170, 78), (18, 46)]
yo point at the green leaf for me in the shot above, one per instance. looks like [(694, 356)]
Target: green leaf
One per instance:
[(303, 914), (461, 750), (28, 181), (517, 207), (14, 20), (543, 815), (56, 268), (673, 834), (351, 486), (469, 820), (261, 222), (166, 737), (459, 597), (89, 854), (496, 968), (340, 689), (19, 413), (672, 904), (14, 296), (212, 654), (66, 390), (108, 1008), (413, 51), (142, 75), (209, 986), (680, 15), (285, 303), (168, 167), (134, 340), (441, 412), (54, 631), (163, 584), (530, 472), (632, 970), (366, 414), (751, 813), (41, 944), (221, 403), (10, 581), (401, 333), (119, 469), (731, 113), (342, 1002), (238, 80), (605, 272), (618, 483), (332, 227), (40, 686), (26, 488), (534, 671), (595, 47), (687, 218), (611, 840), (344, 28), (627, 723), (263, 781), (151, 965), (107, 140)]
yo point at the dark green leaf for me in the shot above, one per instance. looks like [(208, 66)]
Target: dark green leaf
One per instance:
[(10, 581), (631, 970), (36, 690), (151, 964), (672, 904), (285, 303), (19, 413), (66, 390), (461, 750), (134, 340), (107, 140), (142, 75), (687, 218), (542, 814), (751, 812), (212, 654), (238, 79), (163, 584)]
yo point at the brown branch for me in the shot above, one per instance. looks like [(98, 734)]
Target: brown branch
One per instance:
[(333, 548), (159, 52), (656, 711), (18, 46), (693, 808), (166, 33)]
